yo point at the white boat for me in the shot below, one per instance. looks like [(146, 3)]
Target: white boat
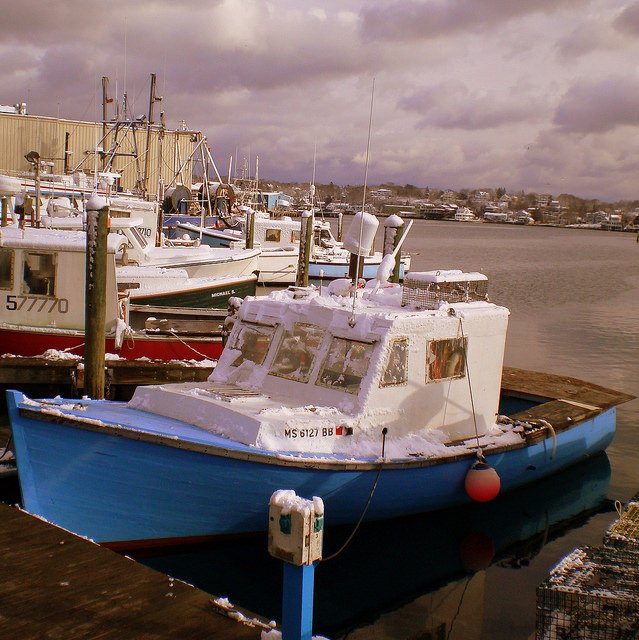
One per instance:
[(196, 260), (277, 239), (42, 280), (464, 214)]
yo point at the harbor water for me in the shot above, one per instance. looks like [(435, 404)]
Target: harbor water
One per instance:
[(471, 573)]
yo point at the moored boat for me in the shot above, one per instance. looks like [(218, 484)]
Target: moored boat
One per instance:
[(42, 282), (380, 400), (279, 242)]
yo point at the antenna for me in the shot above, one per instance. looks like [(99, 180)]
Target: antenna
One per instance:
[(361, 226), (125, 29), (312, 189)]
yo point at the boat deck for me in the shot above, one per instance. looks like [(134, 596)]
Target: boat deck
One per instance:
[(58, 585), (560, 400)]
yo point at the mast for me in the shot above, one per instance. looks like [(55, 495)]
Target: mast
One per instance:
[(147, 155), (105, 102)]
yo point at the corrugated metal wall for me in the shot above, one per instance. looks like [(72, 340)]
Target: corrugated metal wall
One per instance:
[(51, 137)]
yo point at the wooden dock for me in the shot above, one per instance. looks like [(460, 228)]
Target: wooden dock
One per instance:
[(58, 585), (121, 375)]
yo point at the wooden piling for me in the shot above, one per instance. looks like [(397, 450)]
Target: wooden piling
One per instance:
[(306, 243), (250, 229), (5, 211), (95, 296)]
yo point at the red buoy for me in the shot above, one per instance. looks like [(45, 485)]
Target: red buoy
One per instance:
[(482, 482)]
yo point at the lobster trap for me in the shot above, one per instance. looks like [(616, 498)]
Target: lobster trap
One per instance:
[(591, 594), (427, 290), (624, 533)]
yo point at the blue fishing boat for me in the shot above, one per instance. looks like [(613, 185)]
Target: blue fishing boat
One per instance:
[(384, 400)]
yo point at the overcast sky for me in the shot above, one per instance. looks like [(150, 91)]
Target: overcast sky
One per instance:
[(540, 95)]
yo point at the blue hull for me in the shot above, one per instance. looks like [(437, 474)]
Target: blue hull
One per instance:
[(335, 270), (176, 483)]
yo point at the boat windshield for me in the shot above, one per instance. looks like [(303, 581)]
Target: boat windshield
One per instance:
[(253, 342), (296, 352), (345, 364)]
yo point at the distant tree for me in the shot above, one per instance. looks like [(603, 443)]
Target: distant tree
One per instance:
[(500, 192)]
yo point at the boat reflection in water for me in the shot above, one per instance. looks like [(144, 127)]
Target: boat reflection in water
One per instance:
[(409, 577)]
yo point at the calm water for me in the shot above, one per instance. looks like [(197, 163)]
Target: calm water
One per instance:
[(471, 573)]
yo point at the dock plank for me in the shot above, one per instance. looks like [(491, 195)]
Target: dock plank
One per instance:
[(58, 585), (534, 384)]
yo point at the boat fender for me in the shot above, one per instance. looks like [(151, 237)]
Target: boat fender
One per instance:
[(482, 482)]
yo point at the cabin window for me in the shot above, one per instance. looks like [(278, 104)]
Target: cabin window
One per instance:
[(6, 269), (446, 359), (396, 371), (296, 352), (39, 274), (345, 364), (295, 235), (253, 342), (273, 235)]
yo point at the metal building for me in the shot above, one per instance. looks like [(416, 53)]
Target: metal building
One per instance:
[(67, 146)]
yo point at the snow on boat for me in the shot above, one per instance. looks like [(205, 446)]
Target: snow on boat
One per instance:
[(380, 400), (42, 276)]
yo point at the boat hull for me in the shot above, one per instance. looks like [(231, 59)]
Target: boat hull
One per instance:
[(23, 342), (110, 484), (215, 296), (334, 269)]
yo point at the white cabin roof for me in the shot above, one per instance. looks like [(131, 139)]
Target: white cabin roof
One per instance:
[(53, 239)]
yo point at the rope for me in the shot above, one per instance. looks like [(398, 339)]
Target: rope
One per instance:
[(189, 346), (6, 446), (368, 502), (459, 606), (470, 390), (69, 349), (531, 424)]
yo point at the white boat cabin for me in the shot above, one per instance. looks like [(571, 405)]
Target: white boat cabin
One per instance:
[(42, 279), (197, 261), (325, 373)]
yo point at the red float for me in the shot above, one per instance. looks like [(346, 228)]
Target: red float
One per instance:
[(482, 482)]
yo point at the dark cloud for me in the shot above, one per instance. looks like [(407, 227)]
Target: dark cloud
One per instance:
[(414, 19), (628, 20), (596, 106), (453, 106), (584, 39)]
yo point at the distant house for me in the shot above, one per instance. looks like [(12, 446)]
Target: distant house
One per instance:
[(543, 200), (481, 197), (381, 193)]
